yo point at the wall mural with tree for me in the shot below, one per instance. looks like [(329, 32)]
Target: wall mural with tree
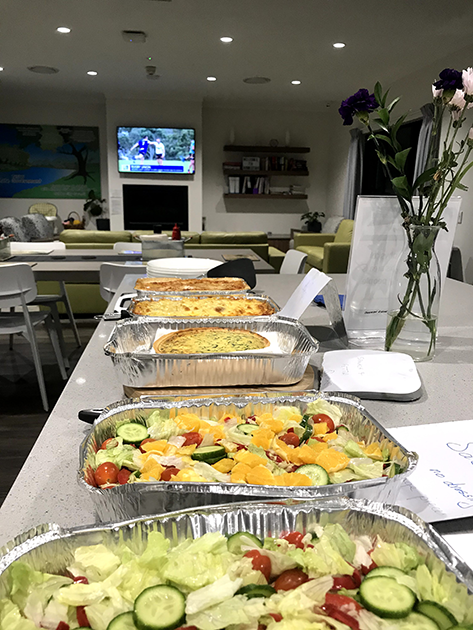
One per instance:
[(49, 162)]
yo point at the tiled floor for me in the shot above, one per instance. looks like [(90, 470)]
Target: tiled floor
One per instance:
[(21, 412)]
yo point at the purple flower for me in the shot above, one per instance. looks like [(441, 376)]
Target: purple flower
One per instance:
[(450, 79), (360, 103)]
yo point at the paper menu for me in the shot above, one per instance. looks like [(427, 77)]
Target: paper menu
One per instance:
[(311, 285), (441, 486)]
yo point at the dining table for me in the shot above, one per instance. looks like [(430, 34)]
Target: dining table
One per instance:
[(47, 491), (83, 265)]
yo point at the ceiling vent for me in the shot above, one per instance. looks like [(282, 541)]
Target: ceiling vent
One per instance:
[(134, 37), (43, 69), (151, 73), (256, 80)]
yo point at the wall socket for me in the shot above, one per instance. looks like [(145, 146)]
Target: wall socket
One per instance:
[(460, 217)]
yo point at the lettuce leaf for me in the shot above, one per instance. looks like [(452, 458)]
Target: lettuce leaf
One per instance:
[(366, 468), (96, 562), (120, 455), (340, 541), (11, 619), (322, 406), (162, 427), (155, 553), (211, 595), (297, 623), (300, 601), (237, 610), (398, 555), (324, 558), (440, 586), (352, 449)]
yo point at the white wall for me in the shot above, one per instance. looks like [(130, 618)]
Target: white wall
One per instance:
[(153, 113), (258, 126), (55, 113)]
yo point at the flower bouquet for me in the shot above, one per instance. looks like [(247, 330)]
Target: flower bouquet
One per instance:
[(413, 307)]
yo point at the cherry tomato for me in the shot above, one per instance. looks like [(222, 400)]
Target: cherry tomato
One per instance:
[(123, 476), (290, 439), (341, 616), (322, 417), (144, 442), (104, 444), (292, 578), (187, 628), (341, 602), (343, 581), (260, 562), (82, 617), (276, 616), (295, 538), (192, 438), (291, 430), (80, 579), (106, 473), (366, 570), (168, 473), (62, 626)]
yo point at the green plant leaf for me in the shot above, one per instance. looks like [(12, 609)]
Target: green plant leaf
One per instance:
[(462, 187), (424, 177), (401, 158), (380, 123), (392, 161), (384, 115), (381, 136), (401, 185), (378, 93), (397, 124), (393, 104), (382, 158)]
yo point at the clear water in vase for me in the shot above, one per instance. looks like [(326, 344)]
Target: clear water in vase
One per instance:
[(416, 338)]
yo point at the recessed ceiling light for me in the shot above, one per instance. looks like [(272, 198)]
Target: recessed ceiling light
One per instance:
[(296, 82), (256, 80), (43, 69), (339, 45), (63, 29), (226, 40), (92, 73), (1, 69), (211, 78)]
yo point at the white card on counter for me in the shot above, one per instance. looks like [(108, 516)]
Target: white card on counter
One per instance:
[(441, 486), (370, 373), (303, 296)]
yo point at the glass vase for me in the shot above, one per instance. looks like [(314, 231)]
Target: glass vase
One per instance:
[(414, 296)]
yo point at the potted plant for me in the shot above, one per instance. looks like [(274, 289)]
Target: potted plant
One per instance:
[(94, 206), (311, 219)]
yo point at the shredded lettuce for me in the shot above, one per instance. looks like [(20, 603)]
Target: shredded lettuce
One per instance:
[(96, 562), (322, 406), (163, 428), (11, 618), (211, 595), (120, 455), (440, 586), (366, 468), (237, 610), (302, 599), (352, 449), (399, 555)]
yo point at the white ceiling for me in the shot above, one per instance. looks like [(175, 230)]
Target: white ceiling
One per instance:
[(280, 39)]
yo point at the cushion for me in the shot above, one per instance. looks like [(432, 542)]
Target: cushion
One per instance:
[(315, 255), (345, 231), (95, 236), (37, 227), (13, 225), (233, 237), (331, 225)]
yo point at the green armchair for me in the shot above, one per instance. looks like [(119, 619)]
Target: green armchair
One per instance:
[(327, 252)]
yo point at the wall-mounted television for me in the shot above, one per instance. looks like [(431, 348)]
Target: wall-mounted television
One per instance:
[(156, 150)]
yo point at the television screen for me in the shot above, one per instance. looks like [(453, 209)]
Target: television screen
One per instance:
[(156, 150)]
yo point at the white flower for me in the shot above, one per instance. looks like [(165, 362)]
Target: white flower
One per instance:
[(470, 134), (458, 100), (456, 113), (436, 93), (467, 77)]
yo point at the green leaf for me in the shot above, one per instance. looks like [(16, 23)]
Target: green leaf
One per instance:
[(424, 177), (393, 104), (393, 162), (380, 123), (384, 115), (381, 136), (462, 187), (382, 158), (378, 93), (401, 185), (401, 158), (397, 124)]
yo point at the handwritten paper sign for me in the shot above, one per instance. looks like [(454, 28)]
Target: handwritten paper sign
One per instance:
[(303, 296), (441, 486)]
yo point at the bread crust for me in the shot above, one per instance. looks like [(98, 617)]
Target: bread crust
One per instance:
[(191, 284), (203, 306), (209, 340)]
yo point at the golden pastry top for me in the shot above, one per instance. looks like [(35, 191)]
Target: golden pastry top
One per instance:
[(191, 284), (207, 340), (203, 306)]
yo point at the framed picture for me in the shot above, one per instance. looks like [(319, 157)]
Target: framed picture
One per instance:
[(250, 163)]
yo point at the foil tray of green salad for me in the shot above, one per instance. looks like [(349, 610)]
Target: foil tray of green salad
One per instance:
[(155, 455), (333, 564)]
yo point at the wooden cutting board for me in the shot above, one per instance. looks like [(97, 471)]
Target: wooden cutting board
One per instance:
[(307, 382)]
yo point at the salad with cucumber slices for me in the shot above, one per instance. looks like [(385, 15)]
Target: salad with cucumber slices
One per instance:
[(324, 579), (281, 448)]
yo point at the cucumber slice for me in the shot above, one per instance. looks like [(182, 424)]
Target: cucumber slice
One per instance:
[(256, 590), (386, 598), (386, 571), (438, 613), (159, 608), (132, 433), (417, 621), (247, 429), (209, 454), (122, 622), (316, 474), (236, 541)]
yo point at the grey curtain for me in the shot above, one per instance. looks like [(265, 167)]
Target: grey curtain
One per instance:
[(423, 144), (354, 173)]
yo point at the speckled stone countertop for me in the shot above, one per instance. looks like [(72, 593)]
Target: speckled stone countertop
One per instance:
[(46, 489)]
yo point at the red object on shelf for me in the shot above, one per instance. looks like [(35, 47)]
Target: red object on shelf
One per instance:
[(176, 233)]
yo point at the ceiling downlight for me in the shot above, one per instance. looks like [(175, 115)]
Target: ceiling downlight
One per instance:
[(256, 80), (43, 69)]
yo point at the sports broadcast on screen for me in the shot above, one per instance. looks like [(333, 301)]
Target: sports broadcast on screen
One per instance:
[(156, 150)]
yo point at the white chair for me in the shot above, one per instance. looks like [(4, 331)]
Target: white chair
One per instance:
[(294, 262), (127, 247), (111, 274), (18, 288), (51, 300)]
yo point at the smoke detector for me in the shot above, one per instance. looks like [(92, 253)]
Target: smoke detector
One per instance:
[(43, 69), (134, 37), (256, 80), (151, 73)]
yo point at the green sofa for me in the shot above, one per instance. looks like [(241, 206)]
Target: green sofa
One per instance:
[(327, 252), (85, 298)]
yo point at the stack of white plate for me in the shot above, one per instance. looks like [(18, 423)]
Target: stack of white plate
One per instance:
[(180, 267)]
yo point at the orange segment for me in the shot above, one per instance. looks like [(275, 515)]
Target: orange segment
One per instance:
[(158, 445), (274, 425), (307, 455), (318, 447), (261, 476), (188, 474), (239, 473), (262, 437), (330, 436), (293, 479), (188, 421), (374, 451), (320, 428), (333, 460), (224, 465), (250, 459)]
